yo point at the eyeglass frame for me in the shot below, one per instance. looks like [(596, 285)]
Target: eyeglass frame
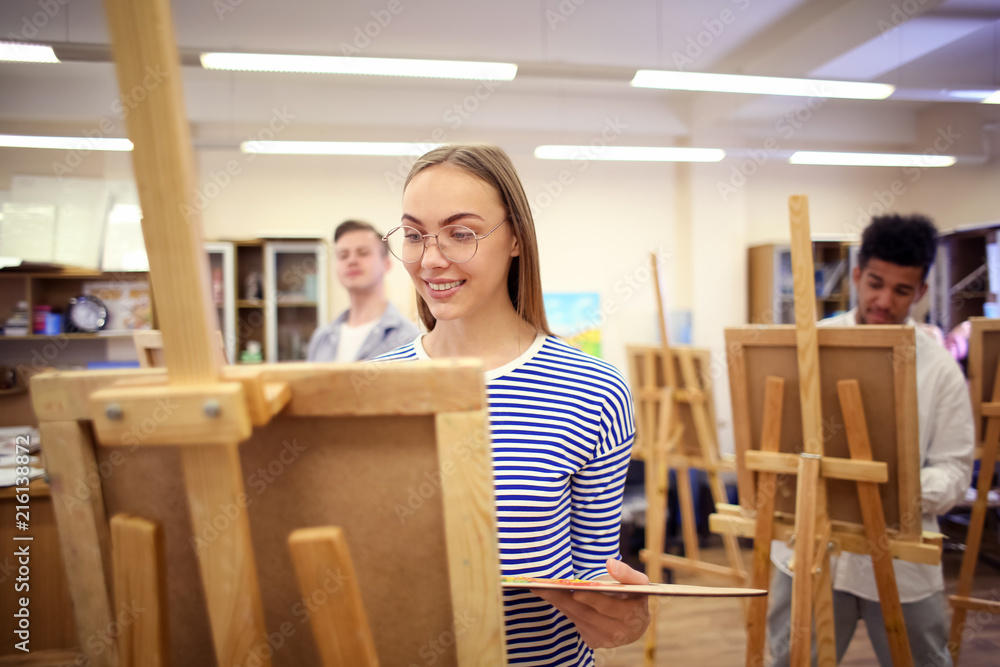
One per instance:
[(424, 237)]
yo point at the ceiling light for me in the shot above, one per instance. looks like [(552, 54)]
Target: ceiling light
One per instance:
[(336, 148), (436, 69), (970, 95), (760, 85), (993, 99), (66, 143), (871, 159), (630, 153), (27, 53)]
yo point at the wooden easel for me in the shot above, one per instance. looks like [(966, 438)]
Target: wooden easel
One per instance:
[(818, 529), (183, 508), (984, 358), (675, 430)]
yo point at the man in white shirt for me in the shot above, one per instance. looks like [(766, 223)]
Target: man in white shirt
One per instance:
[(371, 325), (896, 255)]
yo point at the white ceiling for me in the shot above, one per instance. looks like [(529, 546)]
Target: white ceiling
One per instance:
[(575, 60)]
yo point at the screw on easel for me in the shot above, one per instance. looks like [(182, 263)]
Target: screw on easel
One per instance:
[(113, 411), (791, 540), (212, 408)]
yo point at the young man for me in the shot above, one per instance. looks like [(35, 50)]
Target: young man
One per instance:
[(896, 255), (371, 325)]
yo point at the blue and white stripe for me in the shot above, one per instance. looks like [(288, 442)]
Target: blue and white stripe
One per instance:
[(562, 430)]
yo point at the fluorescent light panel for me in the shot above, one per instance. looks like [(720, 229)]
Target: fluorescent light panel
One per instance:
[(760, 85), (336, 148), (993, 99), (435, 69), (970, 95), (630, 153), (65, 143), (871, 159), (27, 53)]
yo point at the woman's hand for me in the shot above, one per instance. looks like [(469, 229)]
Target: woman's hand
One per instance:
[(605, 620)]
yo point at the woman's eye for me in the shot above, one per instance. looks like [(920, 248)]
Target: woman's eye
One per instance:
[(462, 235), (411, 237)]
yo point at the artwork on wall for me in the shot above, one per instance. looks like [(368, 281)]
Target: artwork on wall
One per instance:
[(576, 318)]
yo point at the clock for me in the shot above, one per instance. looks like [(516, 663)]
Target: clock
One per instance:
[(87, 314)]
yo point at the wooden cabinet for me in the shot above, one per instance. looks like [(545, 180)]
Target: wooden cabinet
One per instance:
[(127, 296), (965, 280), (53, 625), (126, 293), (771, 298), (281, 296)]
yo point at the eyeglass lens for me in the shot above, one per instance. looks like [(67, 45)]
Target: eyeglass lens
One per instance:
[(457, 243)]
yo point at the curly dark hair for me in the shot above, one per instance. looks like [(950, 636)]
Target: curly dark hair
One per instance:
[(906, 240)]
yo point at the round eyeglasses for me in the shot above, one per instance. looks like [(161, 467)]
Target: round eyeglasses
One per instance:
[(457, 243)]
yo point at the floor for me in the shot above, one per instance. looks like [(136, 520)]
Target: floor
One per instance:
[(709, 632)]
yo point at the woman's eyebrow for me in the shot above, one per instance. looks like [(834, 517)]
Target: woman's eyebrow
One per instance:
[(447, 221)]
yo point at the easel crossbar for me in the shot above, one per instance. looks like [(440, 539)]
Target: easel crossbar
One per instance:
[(728, 521), (975, 604), (831, 467), (672, 562)]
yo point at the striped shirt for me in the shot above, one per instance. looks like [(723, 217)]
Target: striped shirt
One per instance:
[(562, 430)]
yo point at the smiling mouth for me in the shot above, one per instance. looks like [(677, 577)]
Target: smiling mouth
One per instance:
[(441, 287)]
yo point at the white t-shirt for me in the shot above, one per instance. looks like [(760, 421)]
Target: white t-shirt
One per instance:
[(351, 339)]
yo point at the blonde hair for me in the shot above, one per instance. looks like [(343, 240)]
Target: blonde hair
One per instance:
[(491, 165)]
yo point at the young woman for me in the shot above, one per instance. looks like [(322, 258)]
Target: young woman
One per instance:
[(560, 420)]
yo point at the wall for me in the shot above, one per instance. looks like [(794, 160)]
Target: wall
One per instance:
[(597, 221)]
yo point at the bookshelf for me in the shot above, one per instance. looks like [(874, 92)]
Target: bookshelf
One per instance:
[(770, 297), (965, 280)]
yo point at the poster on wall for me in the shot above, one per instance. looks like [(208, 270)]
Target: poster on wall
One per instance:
[(128, 303), (575, 317)]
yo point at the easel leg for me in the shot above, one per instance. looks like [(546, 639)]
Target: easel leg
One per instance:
[(689, 525), (709, 453), (826, 638), (214, 481), (875, 530), (141, 587), (340, 627), (975, 535), (657, 489), (802, 582), (83, 534), (756, 615)]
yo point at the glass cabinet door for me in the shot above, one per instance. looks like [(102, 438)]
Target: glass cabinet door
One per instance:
[(222, 277), (295, 297)]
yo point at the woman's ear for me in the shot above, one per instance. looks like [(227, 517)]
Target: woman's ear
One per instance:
[(515, 248)]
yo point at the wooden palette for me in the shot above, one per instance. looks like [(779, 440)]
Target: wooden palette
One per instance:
[(635, 589)]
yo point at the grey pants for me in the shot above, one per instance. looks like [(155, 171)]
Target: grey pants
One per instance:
[(926, 626)]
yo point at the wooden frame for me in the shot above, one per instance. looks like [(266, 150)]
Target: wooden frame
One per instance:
[(984, 385), (408, 472), (984, 356), (839, 376), (149, 347), (680, 437), (675, 429), (883, 360), (645, 364)]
